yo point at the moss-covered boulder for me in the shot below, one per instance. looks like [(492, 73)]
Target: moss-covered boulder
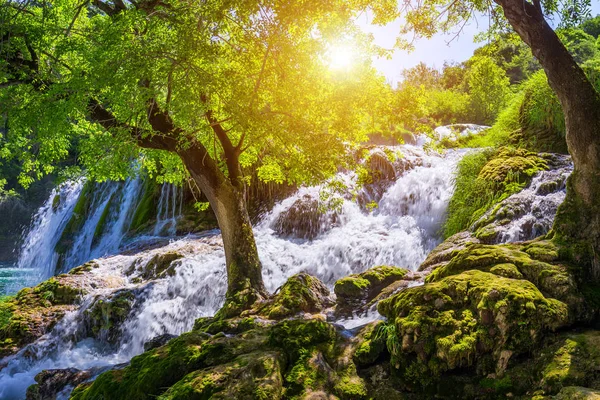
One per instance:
[(32, 312), (474, 318), (300, 293), (159, 266), (537, 262), (482, 307), (104, 317), (360, 288), (577, 393), (512, 164), (446, 250)]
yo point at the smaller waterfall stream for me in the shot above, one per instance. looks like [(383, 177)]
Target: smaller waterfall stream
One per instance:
[(37, 253), (169, 210)]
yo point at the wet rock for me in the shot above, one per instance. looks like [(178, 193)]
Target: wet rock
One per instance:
[(103, 319), (300, 293), (52, 381), (158, 341), (358, 289), (305, 220), (159, 266), (34, 311), (444, 252)]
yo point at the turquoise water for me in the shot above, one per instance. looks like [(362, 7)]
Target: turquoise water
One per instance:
[(12, 278)]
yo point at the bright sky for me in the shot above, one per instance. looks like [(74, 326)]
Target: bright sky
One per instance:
[(432, 52)]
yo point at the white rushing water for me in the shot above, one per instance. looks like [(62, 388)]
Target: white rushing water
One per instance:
[(400, 231), (169, 210), (108, 215), (37, 253)]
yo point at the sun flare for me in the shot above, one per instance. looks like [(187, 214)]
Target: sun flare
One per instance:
[(341, 57)]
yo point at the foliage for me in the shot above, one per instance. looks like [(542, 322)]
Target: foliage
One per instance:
[(488, 86), (258, 67)]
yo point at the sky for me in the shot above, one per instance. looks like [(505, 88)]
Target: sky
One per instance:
[(432, 52)]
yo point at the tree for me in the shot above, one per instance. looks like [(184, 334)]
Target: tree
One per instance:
[(200, 88), (578, 219), (488, 87)]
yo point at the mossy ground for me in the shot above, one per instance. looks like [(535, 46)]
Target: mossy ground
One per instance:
[(33, 311)]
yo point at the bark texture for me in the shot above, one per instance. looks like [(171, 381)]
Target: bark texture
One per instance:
[(578, 219)]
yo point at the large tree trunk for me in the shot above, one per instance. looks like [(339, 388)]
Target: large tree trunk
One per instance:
[(244, 270), (578, 219)]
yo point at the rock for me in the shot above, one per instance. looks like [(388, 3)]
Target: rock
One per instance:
[(360, 288), (34, 311), (158, 341), (481, 308), (301, 293), (446, 250), (158, 266), (52, 381), (256, 375), (305, 220), (441, 337), (103, 319), (577, 393)]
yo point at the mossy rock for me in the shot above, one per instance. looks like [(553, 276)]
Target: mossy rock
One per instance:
[(462, 320), (256, 375), (103, 319), (554, 279), (360, 288), (300, 293), (158, 266), (577, 393), (152, 373), (371, 344), (32, 312), (446, 250), (517, 165)]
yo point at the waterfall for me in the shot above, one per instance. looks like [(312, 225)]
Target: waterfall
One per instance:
[(106, 220), (347, 238), (37, 252), (169, 210), (112, 207)]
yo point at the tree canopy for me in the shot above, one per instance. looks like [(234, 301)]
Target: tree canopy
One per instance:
[(257, 70)]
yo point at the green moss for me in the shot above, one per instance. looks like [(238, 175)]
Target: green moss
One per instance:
[(507, 270), (366, 285), (105, 316), (151, 373), (146, 208), (102, 221), (372, 343), (554, 279), (578, 393), (159, 265), (296, 335), (300, 293), (459, 320), (250, 376), (34, 311)]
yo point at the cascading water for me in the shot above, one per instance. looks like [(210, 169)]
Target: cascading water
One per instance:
[(400, 231), (529, 213), (37, 252), (112, 207), (169, 210)]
